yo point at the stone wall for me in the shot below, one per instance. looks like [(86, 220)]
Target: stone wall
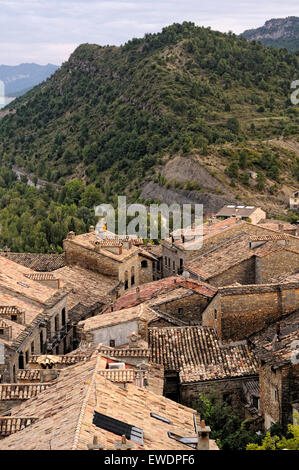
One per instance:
[(243, 273), (230, 390), (237, 312), (188, 309)]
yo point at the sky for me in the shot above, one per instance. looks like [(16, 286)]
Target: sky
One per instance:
[(48, 31)]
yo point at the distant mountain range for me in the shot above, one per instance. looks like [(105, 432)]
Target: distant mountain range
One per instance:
[(21, 78), (278, 32)]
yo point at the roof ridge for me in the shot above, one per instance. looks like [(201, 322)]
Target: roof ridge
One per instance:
[(84, 404)]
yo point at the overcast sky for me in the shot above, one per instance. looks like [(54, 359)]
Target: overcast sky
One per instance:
[(46, 31)]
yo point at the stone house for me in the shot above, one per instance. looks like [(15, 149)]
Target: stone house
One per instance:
[(182, 299), (255, 214), (34, 317), (240, 311), (116, 258), (279, 371), (294, 200), (246, 259), (195, 362)]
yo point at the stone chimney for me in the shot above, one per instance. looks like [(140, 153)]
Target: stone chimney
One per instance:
[(70, 236), (280, 228), (91, 229), (203, 436), (137, 293)]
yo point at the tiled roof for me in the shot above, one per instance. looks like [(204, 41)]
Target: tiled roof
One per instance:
[(21, 391), (197, 354), (153, 290), (115, 318), (29, 374), (125, 352), (65, 414), (233, 252), (231, 210), (9, 425), (37, 261), (66, 359), (12, 279), (88, 288), (211, 228), (122, 375), (89, 241), (252, 387), (278, 353)]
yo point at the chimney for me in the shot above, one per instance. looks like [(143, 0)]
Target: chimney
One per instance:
[(280, 228), (203, 436), (112, 307), (91, 229), (183, 238), (120, 250), (137, 293), (70, 236), (172, 239)]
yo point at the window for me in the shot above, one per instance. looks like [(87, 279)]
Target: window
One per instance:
[(160, 418), (180, 311), (169, 262), (173, 266), (275, 394), (27, 356), (215, 314), (112, 343), (188, 441), (14, 318), (56, 323), (117, 427), (144, 264), (1, 331), (63, 317), (132, 280), (32, 347), (126, 284), (165, 261)]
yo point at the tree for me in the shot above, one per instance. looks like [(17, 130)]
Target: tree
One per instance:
[(228, 429), (270, 442), (233, 125)]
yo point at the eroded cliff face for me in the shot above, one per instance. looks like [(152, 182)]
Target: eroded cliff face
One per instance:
[(277, 32)]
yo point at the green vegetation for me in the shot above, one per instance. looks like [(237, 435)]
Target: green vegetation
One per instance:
[(278, 442), (278, 33), (228, 429), (37, 220), (110, 113)]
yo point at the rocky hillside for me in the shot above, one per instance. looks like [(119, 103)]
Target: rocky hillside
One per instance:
[(278, 32), (212, 104)]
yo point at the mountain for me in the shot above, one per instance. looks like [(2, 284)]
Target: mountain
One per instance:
[(21, 78), (278, 32), (187, 109)]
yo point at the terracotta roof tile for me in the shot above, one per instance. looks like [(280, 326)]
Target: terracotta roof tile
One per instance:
[(197, 354), (37, 261)]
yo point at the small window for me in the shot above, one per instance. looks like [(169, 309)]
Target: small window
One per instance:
[(180, 310), (56, 323), (63, 317), (14, 318), (32, 347), (27, 356), (160, 418), (117, 427), (144, 264), (132, 280), (112, 343), (126, 284), (173, 266), (165, 260), (1, 331), (215, 314)]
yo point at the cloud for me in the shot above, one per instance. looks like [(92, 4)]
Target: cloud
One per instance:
[(48, 30)]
